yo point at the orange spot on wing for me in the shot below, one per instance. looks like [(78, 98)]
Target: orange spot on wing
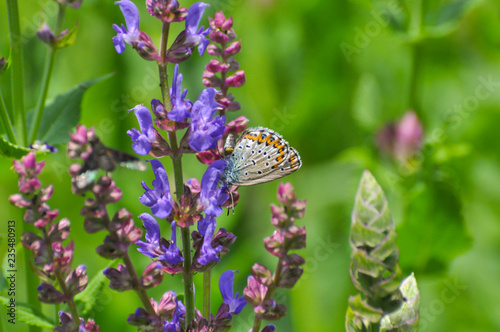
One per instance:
[(273, 142), (263, 138), (251, 136)]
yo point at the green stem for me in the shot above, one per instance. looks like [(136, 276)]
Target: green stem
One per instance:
[(188, 276), (47, 74), (206, 294), (272, 287), (70, 302), (143, 296), (6, 120), (17, 75), (32, 281), (60, 279), (223, 79), (415, 36), (413, 94), (179, 182), (140, 291)]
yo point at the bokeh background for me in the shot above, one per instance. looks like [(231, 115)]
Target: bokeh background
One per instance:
[(327, 75)]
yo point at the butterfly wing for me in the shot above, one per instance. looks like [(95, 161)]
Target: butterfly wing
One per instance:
[(261, 155)]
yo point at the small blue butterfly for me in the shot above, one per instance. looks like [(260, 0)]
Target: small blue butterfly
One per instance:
[(259, 155)]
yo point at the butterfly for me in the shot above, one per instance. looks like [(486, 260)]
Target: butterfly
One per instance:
[(259, 155), (106, 159)]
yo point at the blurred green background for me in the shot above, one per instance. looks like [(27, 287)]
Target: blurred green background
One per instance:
[(327, 75)]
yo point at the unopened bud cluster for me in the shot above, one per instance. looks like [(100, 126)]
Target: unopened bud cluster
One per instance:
[(51, 259), (287, 236), (223, 72)]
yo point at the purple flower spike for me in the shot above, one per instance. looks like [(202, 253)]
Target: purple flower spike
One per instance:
[(205, 131), (212, 197), (152, 245), (194, 35), (142, 141), (131, 33), (208, 253), (236, 304), (172, 254), (180, 106), (158, 198)]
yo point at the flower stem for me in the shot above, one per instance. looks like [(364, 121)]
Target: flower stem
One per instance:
[(415, 34), (6, 120), (17, 75), (32, 281), (143, 296), (223, 74), (207, 276), (272, 287), (179, 182), (47, 74), (69, 298), (60, 279)]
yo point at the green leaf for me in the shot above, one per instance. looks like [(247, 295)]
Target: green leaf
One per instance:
[(29, 314), (433, 230), (355, 323), (446, 19), (10, 150), (63, 113), (367, 106), (66, 38), (363, 309), (86, 300), (405, 318)]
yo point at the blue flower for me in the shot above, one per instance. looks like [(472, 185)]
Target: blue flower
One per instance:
[(152, 245), (235, 303), (172, 254), (205, 131), (195, 36), (175, 325), (180, 107), (208, 254), (158, 198), (130, 34), (212, 197), (142, 141)]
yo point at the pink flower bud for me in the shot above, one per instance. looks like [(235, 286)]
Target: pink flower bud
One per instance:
[(286, 194), (45, 34), (218, 36), (49, 294), (152, 275), (254, 292), (215, 66), (77, 280), (233, 49), (218, 20), (19, 201), (214, 50), (209, 79), (146, 48), (263, 275), (207, 157), (236, 80), (409, 135), (227, 24), (236, 126)]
